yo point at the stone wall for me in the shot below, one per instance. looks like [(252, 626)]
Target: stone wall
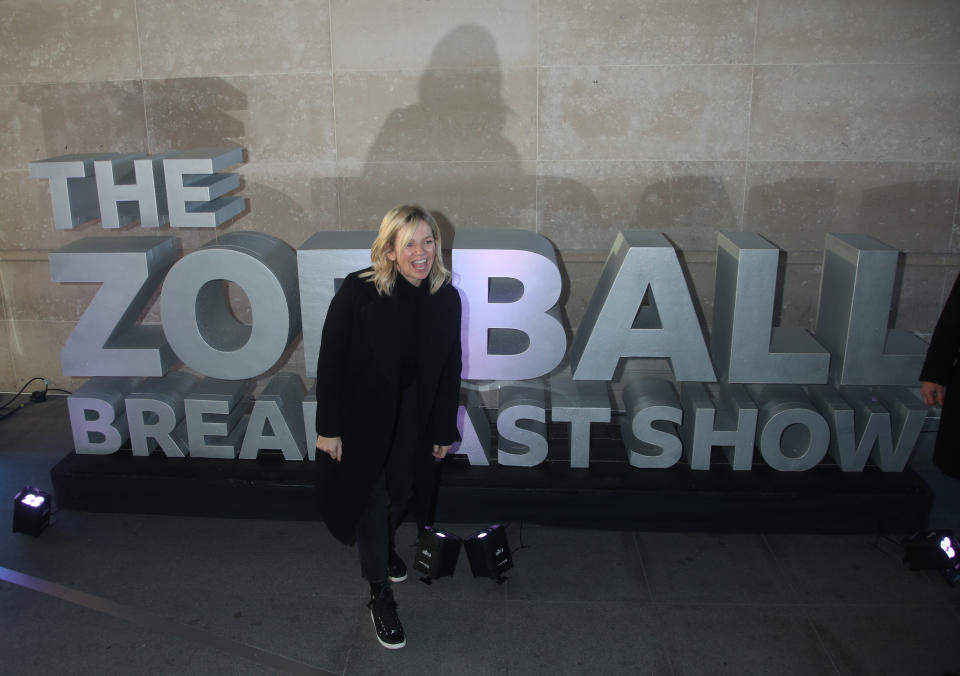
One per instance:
[(791, 118)]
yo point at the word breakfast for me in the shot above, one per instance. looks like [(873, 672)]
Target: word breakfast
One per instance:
[(791, 394)]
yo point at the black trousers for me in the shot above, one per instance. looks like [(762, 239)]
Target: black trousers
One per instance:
[(390, 495)]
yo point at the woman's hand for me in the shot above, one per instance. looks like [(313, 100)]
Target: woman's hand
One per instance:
[(932, 393), (440, 451), (331, 446)]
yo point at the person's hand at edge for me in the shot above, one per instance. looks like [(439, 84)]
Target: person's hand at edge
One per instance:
[(332, 446), (932, 393)]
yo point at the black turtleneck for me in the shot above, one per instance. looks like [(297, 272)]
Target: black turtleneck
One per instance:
[(409, 299)]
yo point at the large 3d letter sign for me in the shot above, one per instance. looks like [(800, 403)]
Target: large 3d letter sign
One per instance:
[(199, 323), (786, 395), (641, 308)]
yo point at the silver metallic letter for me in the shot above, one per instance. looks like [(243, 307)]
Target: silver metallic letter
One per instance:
[(907, 414), (510, 283), (856, 290), (130, 188), (225, 399), (98, 417), (744, 346), (793, 436), (324, 260), (579, 403), (278, 406), (155, 413), (107, 340), (641, 266), (73, 189), (858, 424), (881, 422), (475, 433), (526, 445), (198, 321), (650, 429), (737, 419), (195, 191)]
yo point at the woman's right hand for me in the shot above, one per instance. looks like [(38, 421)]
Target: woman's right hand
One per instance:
[(331, 446)]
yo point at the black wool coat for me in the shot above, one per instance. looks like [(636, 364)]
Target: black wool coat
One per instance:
[(942, 366), (358, 392)]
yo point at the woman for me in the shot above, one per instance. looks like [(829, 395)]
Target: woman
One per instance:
[(388, 383), (940, 383)]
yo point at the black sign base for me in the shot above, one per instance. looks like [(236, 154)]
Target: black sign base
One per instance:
[(607, 495)]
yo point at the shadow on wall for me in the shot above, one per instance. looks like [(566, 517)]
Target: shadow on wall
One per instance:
[(910, 209), (686, 202), (919, 211), (448, 151), (913, 216), (109, 112), (909, 216), (195, 113), (681, 206), (459, 118)]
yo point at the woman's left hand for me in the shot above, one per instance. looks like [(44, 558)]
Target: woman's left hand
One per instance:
[(440, 451), (932, 393)]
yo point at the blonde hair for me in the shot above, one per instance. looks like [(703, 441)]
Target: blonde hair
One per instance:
[(398, 227)]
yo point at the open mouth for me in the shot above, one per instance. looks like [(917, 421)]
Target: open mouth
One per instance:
[(419, 265)]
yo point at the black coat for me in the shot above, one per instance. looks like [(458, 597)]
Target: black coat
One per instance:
[(943, 367), (358, 392)]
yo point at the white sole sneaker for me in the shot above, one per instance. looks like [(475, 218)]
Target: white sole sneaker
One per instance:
[(388, 646)]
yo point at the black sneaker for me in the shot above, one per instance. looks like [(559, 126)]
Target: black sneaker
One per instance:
[(383, 612), (396, 569)]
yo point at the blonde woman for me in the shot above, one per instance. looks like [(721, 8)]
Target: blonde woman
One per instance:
[(388, 383)]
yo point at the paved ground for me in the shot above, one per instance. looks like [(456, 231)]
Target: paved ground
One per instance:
[(131, 594)]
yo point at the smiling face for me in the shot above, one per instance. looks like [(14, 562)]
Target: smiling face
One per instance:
[(415, 259)]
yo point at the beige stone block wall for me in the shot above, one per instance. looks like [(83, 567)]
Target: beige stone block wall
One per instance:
[(7, 374), (583, 205), (791, 118), (183, 38), (645, 32), (858, 31), (66, 41), (863, 112), (910, 206)]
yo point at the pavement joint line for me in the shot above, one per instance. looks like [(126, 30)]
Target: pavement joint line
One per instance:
[(157, 622)]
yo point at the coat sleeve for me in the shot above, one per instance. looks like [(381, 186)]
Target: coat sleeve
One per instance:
[(945, 343), (334, 343), (443, 423)]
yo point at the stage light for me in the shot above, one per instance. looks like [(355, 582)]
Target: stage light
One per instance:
[(489, 553), (937, 550), (31, 511), (437, 553), (946, 544), (949, 547)]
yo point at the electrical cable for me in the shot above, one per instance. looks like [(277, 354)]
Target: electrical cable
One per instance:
[(34, 398), (14, 397)]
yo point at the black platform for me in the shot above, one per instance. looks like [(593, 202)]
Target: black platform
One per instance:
[(610, 494)]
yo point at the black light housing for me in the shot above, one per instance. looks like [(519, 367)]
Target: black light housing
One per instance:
[(31, 511), (489, 553), (437, 553)]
